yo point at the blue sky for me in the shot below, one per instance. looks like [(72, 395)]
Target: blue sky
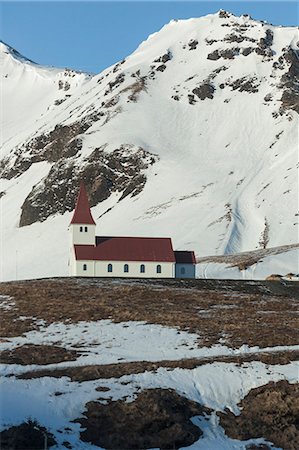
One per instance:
[(90, 36)]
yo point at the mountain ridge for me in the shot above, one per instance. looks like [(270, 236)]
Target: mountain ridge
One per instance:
[(192, 135)]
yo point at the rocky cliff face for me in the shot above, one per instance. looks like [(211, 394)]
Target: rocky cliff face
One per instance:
[(200, 120)]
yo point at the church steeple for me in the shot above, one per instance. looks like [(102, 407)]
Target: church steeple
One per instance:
[(82, 227), (82, 214)]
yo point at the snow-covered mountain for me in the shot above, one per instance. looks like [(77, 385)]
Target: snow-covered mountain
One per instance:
[(194, 136)]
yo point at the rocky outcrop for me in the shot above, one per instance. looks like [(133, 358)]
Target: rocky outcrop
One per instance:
[(204, 91), (103, 173), (290, 81)]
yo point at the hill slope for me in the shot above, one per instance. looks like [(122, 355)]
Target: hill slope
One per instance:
[(193, 136)]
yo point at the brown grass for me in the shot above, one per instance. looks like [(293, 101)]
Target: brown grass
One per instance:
[(96, 372), (256, 313), (270, 411), (157, 418)]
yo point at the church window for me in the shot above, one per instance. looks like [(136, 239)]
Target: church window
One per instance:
[(183, 270), (142, 268), (110, 268), (159, 269), (126, 268), (84, 266), (81, 229), (86, 229)]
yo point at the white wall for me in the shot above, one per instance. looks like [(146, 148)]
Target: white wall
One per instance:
[(99, 269), (81, 237), (89, 272)]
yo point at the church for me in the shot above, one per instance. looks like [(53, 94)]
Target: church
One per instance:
[(132, 257)]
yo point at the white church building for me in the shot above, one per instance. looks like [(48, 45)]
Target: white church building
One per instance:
[(132, 257)]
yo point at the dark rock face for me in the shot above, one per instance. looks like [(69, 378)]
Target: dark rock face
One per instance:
[(161, 68), (246, 51), (29, 435), (193, 44), (164, 58), (245, 85), (204, 91), (60, 143), (229, 53), (290, 81), (224, 14), (102, 173), (270, 411), (264, 45), (158, 418)]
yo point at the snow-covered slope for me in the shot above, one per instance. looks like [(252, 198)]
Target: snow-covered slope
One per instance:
[(193, 136)]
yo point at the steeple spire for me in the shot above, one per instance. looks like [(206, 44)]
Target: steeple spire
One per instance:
[(82, 213)]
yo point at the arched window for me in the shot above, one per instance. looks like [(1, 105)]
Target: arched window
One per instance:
[(110, 268), (84, 266), (142, 268), (183, 270), (86, 229), (159, 269), (81, 229), (126, 268)]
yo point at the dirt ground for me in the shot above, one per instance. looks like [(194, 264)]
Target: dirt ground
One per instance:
[(270, 411), (253, 312)]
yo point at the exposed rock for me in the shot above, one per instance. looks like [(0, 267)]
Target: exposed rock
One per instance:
[(214, 55), (264, 45), (29, 435), (204, 91), (193, 44), (268, 98), (246, 51), (210, 41), (161, 68), (112, 85), (234, 38), (164, 58), (245, 84), (224, 14), (228, 53), (60, 143), (191, 99), (270, 411), (290, 81), (102, 172), (157, 418)]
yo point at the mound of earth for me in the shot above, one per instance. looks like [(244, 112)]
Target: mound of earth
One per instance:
[(157, 418), (37, 354), (270, 411), (29, 435)]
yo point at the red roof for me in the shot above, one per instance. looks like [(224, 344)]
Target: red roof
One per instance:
[(184, 257), (82, 212), (127, 249)]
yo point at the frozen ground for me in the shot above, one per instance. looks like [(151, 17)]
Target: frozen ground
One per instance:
[(56, 402)]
